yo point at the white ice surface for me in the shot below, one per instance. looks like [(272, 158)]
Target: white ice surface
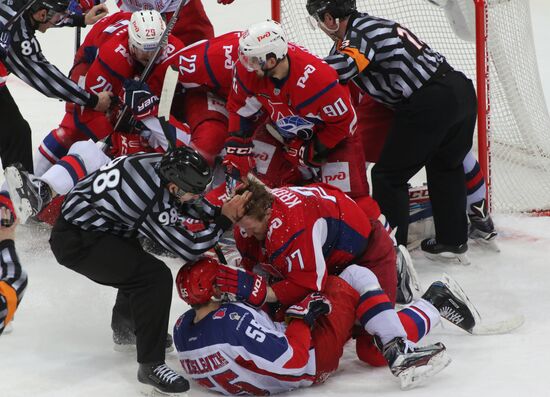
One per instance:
[(61, 342)]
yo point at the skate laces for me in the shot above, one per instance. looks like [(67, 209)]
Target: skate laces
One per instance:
[(431, 242), (166, 374)]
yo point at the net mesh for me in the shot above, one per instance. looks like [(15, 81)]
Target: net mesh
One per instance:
[(519, 121)]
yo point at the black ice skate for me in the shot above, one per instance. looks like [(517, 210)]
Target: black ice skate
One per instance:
[(408, 284), (413, 365), (452, 303), (445, 253), (163, 379), (28, 193), (482, 228)]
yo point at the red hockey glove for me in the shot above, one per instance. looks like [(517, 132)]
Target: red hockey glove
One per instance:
[(123, 144), (242, 285), (225, 2), (9, 216), (138, 97), (309, 309), (294, 151)]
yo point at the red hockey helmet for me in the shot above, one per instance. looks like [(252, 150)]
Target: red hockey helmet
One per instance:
[(195, 282)]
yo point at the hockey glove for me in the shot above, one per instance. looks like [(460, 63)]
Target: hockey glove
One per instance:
[(5, 41), (8, 217), (138, 97), (243, 285), (238, 160), (225, 2), (294, 152), (309, 309), (123, 144)]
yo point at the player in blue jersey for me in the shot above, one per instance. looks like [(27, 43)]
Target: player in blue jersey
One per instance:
[(236, 349)]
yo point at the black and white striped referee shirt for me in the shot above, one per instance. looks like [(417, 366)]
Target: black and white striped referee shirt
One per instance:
[(126, 197), (26, 61), (13, 282), (384, 59)]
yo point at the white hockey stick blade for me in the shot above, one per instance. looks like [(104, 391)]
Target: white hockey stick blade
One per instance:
[(274, 133), (485, 326), (167, 93), (499, 327)]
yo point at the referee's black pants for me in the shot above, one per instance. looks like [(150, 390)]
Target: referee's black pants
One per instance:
[(433, 128), (15, 133), (122, 263)]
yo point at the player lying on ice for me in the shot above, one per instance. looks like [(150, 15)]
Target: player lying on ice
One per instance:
[(300, 236), (235, 348)]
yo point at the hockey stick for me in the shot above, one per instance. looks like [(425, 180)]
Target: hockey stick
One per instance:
[(165, 104), (18, 14), (147, 70), (484, 326), (77, 38)]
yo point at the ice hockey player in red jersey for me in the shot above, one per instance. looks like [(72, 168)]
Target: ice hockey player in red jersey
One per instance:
[(310, 111), (192, 25), (302, 235), (267, 357), (206, 73), (120, 52)]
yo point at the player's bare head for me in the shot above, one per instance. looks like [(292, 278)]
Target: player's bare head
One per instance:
[(144, 34), (185, 173), (262, 47), (195, 282), (261, 199), (257, 209), (328, 14), (47, 13)]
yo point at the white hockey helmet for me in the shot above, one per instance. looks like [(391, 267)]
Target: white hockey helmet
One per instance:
[(259, 41), (145, 30)]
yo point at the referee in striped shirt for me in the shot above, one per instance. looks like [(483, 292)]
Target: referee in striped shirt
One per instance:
[(23, 57), (13, 279), (96, 236), (435, 115)]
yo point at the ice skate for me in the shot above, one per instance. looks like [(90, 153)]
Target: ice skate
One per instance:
[(481, 227), (453, 304), (28, 193), (163, 379), (408, 284), (413, 365), (445, 253)]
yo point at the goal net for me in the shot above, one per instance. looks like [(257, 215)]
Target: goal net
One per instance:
[(513, 119)]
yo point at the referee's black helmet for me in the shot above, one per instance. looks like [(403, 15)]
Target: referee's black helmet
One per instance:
[(187, 169), (336, 8)]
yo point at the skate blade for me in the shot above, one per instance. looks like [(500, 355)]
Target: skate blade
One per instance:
[(415, 376), (151, 391), (21, 206), (488, 244), (413, 275), (459, 292), (448, 257)]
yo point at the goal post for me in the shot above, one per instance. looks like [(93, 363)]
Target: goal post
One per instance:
[(491, 42)]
